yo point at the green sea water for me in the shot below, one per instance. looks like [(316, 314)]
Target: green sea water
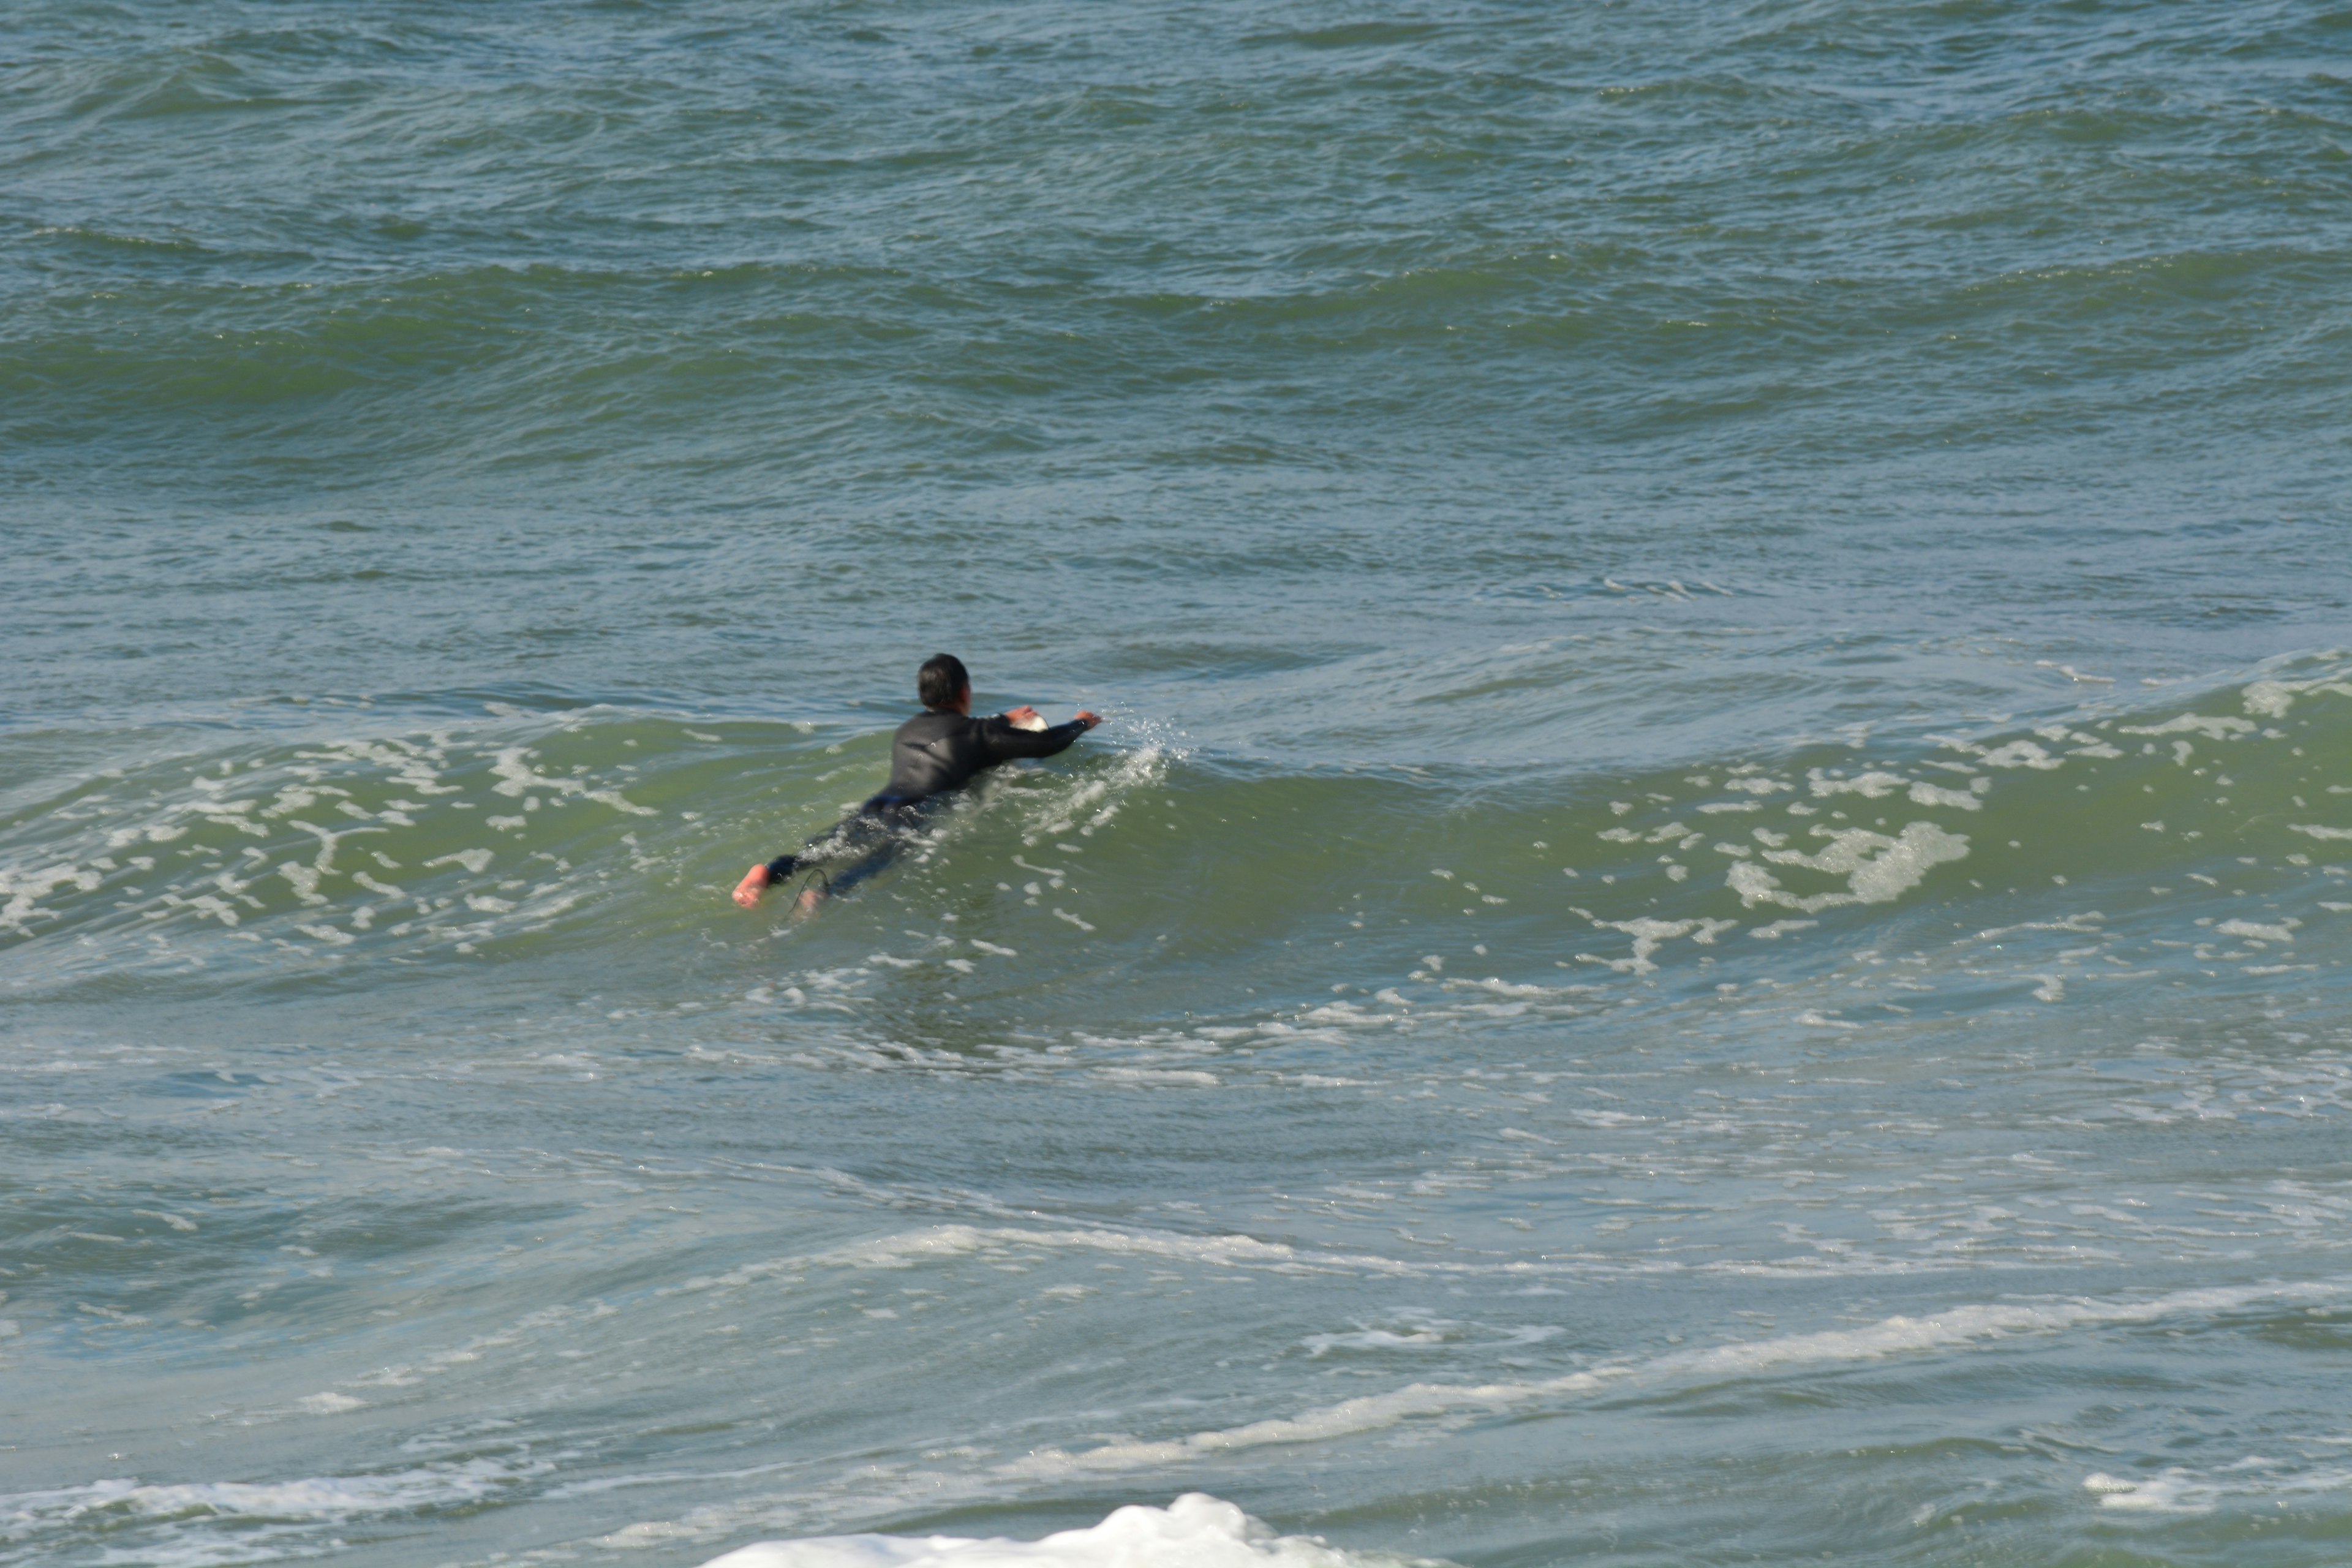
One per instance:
[(1710, 925)]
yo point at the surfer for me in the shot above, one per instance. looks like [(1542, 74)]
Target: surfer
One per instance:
[(938, 750)]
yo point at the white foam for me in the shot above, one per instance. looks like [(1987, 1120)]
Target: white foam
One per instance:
[(1092, 801), (1196, 1531), (1923, 794), (1878, 870), (474, 860), (2271, 699), (305, 880), (908, 1249), (27, 889), (2019, 754), (1648, 933), (328, 1404), (516, 776), (2213, 728), (1872, 786), (2179, 1491), (312, 1497), (2171, 1492), (1953, 1328), (1779, 929), (207, 906), (949, 1240)]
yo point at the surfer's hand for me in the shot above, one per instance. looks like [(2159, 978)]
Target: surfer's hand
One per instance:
[(1021, 714), (1088, 719)]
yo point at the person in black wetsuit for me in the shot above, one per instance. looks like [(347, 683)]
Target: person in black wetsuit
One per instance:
[(938, 750)]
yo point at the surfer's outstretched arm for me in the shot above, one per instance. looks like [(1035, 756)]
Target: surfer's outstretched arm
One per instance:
[(1007, 739)]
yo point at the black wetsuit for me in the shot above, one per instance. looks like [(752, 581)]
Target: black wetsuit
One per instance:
[(932, 753), (937, 751)]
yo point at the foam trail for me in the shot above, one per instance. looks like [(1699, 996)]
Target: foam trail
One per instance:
[(1194, 1532), (908, 1249), (1889, 1336), (332, 1498)]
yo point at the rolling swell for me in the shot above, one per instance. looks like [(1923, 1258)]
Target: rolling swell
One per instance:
[(490, 241), (2117, 851)]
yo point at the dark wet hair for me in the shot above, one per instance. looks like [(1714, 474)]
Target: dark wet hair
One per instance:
[(943, 681)]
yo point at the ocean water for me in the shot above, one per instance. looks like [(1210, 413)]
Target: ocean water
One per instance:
[(1711, 925)]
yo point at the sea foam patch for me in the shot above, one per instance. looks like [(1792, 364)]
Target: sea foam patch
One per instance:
[(1196, 1531), (326, 1498), (1952, 1328)]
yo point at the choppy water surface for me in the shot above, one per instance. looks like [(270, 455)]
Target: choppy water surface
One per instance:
[(1712, 925)]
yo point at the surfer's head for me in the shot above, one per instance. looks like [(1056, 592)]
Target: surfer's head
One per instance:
[(943, 682)]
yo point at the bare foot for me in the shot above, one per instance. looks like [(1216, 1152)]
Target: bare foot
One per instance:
[(806, 906), (754, 883)]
